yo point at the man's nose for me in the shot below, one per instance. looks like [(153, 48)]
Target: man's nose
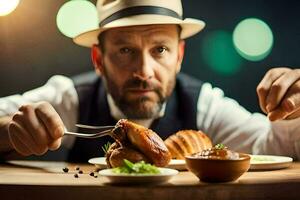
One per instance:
[(145, 66)]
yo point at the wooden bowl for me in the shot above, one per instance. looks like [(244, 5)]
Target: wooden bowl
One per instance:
[(215, 170)]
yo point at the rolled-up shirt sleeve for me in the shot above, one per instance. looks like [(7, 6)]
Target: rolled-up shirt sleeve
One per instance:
[(59, 91), (225, 121)]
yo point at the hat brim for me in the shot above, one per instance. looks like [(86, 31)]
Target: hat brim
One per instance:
[(189, 27)]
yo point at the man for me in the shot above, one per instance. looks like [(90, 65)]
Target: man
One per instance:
[(137, 51)]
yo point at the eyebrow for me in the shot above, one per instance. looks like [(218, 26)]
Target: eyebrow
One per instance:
[(120, 41)]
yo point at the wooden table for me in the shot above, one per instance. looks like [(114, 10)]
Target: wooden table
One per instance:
[(45, 180)]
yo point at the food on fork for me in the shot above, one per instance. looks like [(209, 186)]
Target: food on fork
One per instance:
[(136, 143), (187, 142)]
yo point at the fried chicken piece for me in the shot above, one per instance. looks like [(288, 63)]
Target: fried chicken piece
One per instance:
[(135, 143), (116, 155)]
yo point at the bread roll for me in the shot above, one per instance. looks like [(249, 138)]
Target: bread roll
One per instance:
[(187, 142)]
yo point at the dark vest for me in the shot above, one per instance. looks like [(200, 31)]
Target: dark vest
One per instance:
[(180, 113)]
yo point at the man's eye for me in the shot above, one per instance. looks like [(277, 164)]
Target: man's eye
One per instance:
[(161, 50), (125, 50)]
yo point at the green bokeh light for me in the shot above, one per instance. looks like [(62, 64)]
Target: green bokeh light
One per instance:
[(253, 39), (219, 54), (77, 16)]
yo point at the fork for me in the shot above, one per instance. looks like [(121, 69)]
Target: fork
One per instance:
[(95, 131), (94, 128), (89, 135)]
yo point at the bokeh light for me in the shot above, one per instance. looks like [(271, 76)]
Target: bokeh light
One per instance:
[(253, 39), (77, 16), (219, 54), (7, 6)]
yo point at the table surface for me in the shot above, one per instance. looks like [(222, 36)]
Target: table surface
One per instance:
[(46, 180)]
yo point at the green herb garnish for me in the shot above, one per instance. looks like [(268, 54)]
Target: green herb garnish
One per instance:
[(136, 168), (106, 147), (220, 146)]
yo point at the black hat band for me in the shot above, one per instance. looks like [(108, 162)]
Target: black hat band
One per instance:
[(139, 10)]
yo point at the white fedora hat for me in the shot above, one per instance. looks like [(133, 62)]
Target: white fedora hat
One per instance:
[(122, 13)]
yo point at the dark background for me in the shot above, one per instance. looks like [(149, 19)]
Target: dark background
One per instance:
[(32, 49)]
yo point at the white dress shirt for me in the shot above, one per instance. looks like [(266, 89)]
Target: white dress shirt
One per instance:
[(221, 118)]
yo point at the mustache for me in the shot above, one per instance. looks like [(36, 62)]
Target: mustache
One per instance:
[(141, 84)]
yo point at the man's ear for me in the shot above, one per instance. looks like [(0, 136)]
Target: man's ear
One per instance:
[(181, 48), (97, 59)]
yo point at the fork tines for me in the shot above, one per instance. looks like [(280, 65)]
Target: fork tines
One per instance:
[(94, 128)]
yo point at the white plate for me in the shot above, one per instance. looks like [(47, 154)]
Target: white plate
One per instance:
[(100, 162), (165, 175), (177, 164), (268, 162)]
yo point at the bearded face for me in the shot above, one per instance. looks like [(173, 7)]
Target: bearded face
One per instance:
[(138, 66), (137, 98)]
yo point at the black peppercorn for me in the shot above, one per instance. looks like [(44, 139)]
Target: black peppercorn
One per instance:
[(76, 176), (65, 169), (77, 168), (92, 174), (80, 172)]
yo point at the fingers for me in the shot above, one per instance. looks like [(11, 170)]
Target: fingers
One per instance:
[(50, 119), (280, 88), (280, 113), (55, 144), (277, 114), (19, 140), (292, 101), (294, 115), (265, 85), (19, 146), (34, 125), (35, 129), (290, 105)]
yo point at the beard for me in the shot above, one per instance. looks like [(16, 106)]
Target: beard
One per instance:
[(140, 106)]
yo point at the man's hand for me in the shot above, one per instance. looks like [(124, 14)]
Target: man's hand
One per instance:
[(279, 93), (35, 129)]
